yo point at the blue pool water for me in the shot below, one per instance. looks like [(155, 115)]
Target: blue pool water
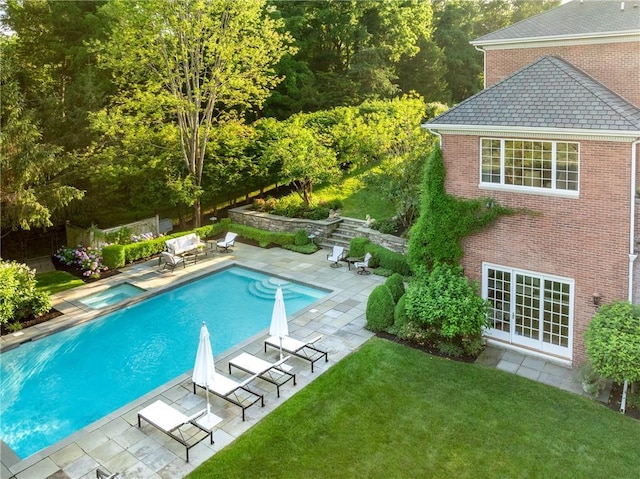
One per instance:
[(111, 296), (59, 384)]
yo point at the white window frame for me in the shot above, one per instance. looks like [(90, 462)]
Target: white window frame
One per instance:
[(537, 190), (511, 336)]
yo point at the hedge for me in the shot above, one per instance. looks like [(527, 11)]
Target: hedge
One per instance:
[(387, 259)]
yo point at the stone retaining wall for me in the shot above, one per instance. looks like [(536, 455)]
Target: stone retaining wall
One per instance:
[(265, 221), (391, 242), (322, 229)]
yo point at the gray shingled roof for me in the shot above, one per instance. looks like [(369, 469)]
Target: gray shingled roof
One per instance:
[(549, 93), (595, 17)]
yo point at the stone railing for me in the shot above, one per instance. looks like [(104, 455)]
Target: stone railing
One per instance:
[(319, 229)]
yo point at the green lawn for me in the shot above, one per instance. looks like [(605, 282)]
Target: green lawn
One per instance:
[(358, 201), (56, 281), (390, 411)]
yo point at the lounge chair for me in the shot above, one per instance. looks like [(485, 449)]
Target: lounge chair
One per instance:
[(228, 241), (270, 372), (298, 348), (171, 261), (337, 254), (170, 420), (233, 391), (361, 266)]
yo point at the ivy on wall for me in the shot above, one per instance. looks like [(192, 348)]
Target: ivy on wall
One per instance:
[(445, 220)]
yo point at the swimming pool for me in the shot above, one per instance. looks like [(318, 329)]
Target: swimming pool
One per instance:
[(111, 296), (59, 384)]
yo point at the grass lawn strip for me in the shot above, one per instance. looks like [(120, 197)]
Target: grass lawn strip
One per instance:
[(392, 411), (57, 281)]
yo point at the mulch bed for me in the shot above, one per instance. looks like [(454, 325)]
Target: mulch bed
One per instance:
[(53, 313), (427, 349), (615, 399)]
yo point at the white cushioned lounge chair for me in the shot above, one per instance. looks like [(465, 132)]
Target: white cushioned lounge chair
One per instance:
[(235, 392), (270, 372), (170, 421), (300, 349)]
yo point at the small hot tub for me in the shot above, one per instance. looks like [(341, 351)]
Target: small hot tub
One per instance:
[(113, 295)]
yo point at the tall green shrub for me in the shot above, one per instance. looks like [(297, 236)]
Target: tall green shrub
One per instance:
[(395, 283), (19, 298), (612, 341), (357, 246), (301, 238), (380, 309), (448, 305)]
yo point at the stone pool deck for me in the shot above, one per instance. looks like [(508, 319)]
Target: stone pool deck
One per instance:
[(116, 444)]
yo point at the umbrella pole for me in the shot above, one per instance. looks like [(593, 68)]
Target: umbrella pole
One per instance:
[(280, 348)]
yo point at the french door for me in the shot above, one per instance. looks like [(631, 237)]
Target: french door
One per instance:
[(530, 309)]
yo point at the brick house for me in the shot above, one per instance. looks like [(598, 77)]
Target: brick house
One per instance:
[(555, 134)]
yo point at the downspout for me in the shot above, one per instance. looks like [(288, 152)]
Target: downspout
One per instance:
[(484, 66), (439, 135), (632, 254), (632, 218)]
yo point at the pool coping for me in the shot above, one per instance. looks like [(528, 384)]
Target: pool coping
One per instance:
[(147, 276)]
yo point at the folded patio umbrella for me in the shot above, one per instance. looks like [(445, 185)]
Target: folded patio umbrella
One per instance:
[(279, 327), (204, 369)]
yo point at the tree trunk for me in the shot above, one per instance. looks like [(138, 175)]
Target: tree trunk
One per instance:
[(197, 213)]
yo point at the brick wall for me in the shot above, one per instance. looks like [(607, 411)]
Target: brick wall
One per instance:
[(586, 239), (615, 65)]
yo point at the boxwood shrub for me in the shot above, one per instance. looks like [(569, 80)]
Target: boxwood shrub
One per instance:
[(400, 317), (387, 259), (380, 309), (113, 256), (395, 283)]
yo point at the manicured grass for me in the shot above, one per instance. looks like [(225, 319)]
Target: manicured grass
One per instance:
[(56, 281), (390, 411)]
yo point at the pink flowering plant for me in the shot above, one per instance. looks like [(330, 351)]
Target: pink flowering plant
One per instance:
[(89, 260), (144, 237)]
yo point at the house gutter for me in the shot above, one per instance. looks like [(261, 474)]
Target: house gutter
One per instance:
[(632, 217)]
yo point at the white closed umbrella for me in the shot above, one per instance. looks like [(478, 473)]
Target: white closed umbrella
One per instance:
[(279, 326), (204, 369)]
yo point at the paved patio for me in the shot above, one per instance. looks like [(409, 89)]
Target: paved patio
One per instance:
[(116, 444)]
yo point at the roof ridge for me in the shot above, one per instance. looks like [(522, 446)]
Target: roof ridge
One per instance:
[(549, 92), (600, 92)]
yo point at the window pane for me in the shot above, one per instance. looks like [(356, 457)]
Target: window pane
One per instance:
[(556, 313), (567, 166), (490, 161), (499, 295)]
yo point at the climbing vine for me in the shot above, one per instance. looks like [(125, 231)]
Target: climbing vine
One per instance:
[(445, 220)]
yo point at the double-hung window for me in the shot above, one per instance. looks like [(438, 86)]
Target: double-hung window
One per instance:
[(530, 165)]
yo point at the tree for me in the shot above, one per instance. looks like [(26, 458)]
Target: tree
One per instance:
[(305, 160), (58, 74), (190, 63), (612, 340), (350, 51), (31, 183)]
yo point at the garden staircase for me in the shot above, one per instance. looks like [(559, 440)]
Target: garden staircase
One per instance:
[(342, 235)]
